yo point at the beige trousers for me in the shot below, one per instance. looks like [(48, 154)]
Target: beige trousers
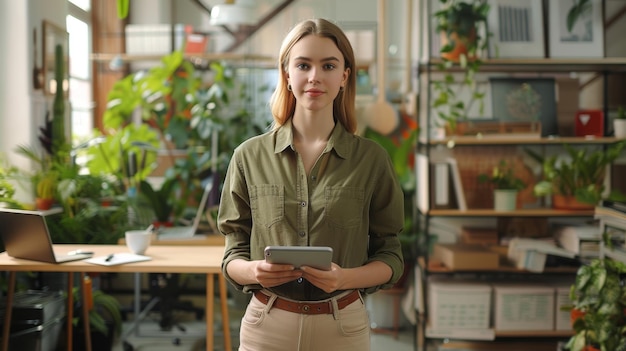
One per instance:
[(270, 329)]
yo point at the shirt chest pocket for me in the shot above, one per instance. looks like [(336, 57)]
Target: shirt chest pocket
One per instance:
[(344, 206), (267, 202)]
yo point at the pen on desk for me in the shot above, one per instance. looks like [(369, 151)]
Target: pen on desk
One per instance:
[(109, 258)]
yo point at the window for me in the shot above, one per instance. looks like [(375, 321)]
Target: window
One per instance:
[(78, 24)]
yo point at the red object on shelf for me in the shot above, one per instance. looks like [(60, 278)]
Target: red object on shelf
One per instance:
[(589, 123)]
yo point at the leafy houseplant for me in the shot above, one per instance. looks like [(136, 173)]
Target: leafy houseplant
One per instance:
[(105, 311), (160, 200), (580, 175), (506, 186), (503, 177), (599, 301), (459, 22), (401, 152), (186, 106)]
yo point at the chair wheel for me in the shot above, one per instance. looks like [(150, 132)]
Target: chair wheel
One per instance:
[(128, 346), (176, 341)]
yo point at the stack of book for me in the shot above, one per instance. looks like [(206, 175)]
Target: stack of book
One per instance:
[(584, 241)]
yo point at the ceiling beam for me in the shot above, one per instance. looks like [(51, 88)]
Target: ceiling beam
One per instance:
[(244, 32)]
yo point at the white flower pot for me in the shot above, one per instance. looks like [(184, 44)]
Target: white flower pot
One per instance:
[(504, 200), (619, 126)]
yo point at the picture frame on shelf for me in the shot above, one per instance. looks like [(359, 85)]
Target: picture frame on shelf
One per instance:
[(525, 100), (53, 35), (517, 28), (576, 29)]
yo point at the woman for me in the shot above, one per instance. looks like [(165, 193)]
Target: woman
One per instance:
[(311, 182)]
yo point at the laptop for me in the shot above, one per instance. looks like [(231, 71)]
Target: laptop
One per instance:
[(185, 232), (25, 235)]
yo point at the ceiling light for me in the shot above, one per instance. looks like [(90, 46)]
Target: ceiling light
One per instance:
[(233, 13)]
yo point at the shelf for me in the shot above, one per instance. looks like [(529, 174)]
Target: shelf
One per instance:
[(436, 267), (157, 57), (539, 212), (534, 333), (504, 139), (491, 334), (609, 64)]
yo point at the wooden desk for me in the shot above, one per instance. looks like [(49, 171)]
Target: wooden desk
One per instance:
[(165, 259)]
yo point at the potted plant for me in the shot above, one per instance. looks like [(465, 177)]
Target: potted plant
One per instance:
[(105, 320), (45, 190), (619, 123), (161, 201), (459, 23), (506, 186), (576, 180), (598, 303)]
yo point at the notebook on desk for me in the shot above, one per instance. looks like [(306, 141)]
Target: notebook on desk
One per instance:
[(182, 232), (25, 235)]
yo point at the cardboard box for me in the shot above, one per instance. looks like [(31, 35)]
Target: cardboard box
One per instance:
[(562, 317), (480, 236), (523, 307), (466, 257), (459, 305)]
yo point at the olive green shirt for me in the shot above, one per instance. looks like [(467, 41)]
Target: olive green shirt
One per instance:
[(350, 201)]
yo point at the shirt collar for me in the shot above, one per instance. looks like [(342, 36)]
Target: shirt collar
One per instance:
[(339, 139)]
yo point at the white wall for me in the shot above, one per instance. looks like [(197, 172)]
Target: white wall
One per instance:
[(22, 109)]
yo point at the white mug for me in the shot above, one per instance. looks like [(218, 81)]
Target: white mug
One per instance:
[(138, 241)]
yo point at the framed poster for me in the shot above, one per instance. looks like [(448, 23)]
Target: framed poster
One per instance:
[(525, 100), (517, 28), (576, 28), (53, 36)]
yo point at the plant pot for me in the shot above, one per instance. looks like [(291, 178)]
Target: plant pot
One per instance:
[(460, 47), (43, 204), (504, 199), (574, 315), (619, 127), (569, 202)]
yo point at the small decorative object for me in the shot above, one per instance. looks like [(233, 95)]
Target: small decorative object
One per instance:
[(589, 123), (619, 123), (506, 186)]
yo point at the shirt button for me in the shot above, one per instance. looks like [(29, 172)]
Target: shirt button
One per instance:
[(303, 203), (313, 177), (302, 234)]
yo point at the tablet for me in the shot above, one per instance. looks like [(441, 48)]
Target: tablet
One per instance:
[(319, 257)]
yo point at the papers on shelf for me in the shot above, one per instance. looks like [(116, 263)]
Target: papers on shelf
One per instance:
[(118, 258), (531, 254)]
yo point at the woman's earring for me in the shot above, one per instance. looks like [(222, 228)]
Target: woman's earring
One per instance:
[(341, 88), (289, 87)]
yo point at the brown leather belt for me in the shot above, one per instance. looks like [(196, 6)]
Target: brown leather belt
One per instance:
[(325, 307)]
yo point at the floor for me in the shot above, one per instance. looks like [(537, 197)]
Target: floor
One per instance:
[(152, 338)]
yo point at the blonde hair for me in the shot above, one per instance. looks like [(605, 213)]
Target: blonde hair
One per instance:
[(283, 103)]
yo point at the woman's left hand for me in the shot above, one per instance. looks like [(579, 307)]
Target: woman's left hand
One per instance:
[(328, 281)]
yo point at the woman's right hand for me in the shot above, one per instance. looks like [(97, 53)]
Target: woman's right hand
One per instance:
[(271, 274)]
